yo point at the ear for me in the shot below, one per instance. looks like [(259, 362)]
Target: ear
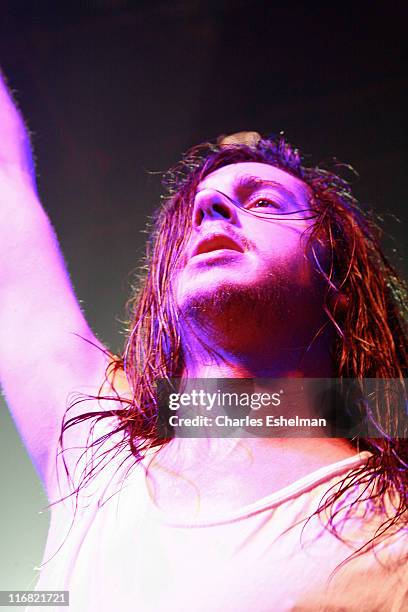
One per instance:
[(338, 302)]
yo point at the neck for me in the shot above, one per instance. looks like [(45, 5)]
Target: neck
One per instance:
[(255, 353), (257, 465)]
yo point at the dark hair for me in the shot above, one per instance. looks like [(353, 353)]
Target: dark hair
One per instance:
[(365, 302)]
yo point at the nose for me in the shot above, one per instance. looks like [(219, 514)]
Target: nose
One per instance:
[(211, 204)]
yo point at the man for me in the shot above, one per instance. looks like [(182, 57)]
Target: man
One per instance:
[(257, 268)]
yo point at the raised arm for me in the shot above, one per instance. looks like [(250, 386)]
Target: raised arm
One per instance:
[(43, 358)]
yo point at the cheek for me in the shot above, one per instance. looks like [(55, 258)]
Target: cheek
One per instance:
[(282, 242), (177, 284), (286, 247)]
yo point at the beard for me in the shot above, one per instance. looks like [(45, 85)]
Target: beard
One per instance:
[(267, 326), (239, 315)]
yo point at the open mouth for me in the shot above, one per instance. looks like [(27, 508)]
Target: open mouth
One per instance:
[(216, 243)]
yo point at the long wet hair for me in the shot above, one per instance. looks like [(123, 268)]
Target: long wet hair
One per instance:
[(365, 302)]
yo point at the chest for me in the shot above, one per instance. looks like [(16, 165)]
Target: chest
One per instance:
[(126, 557)]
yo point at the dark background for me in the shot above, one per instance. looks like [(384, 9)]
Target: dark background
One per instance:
[(114, 91)]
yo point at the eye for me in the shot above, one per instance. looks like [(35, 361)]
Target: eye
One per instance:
[(262, 202)]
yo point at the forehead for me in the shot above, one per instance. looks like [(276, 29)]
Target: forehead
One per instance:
[(228, 177)]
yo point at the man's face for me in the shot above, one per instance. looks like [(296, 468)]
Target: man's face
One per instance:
[(231, 250)]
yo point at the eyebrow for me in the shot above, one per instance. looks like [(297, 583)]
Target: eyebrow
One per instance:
[(248, 181)]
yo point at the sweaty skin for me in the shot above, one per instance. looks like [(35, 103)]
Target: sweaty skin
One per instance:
[(259, 302)]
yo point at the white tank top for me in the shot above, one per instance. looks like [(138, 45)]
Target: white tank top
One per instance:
[(122, 554)]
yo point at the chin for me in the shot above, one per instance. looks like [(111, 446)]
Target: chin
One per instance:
[(212, 300), (214, 287)]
